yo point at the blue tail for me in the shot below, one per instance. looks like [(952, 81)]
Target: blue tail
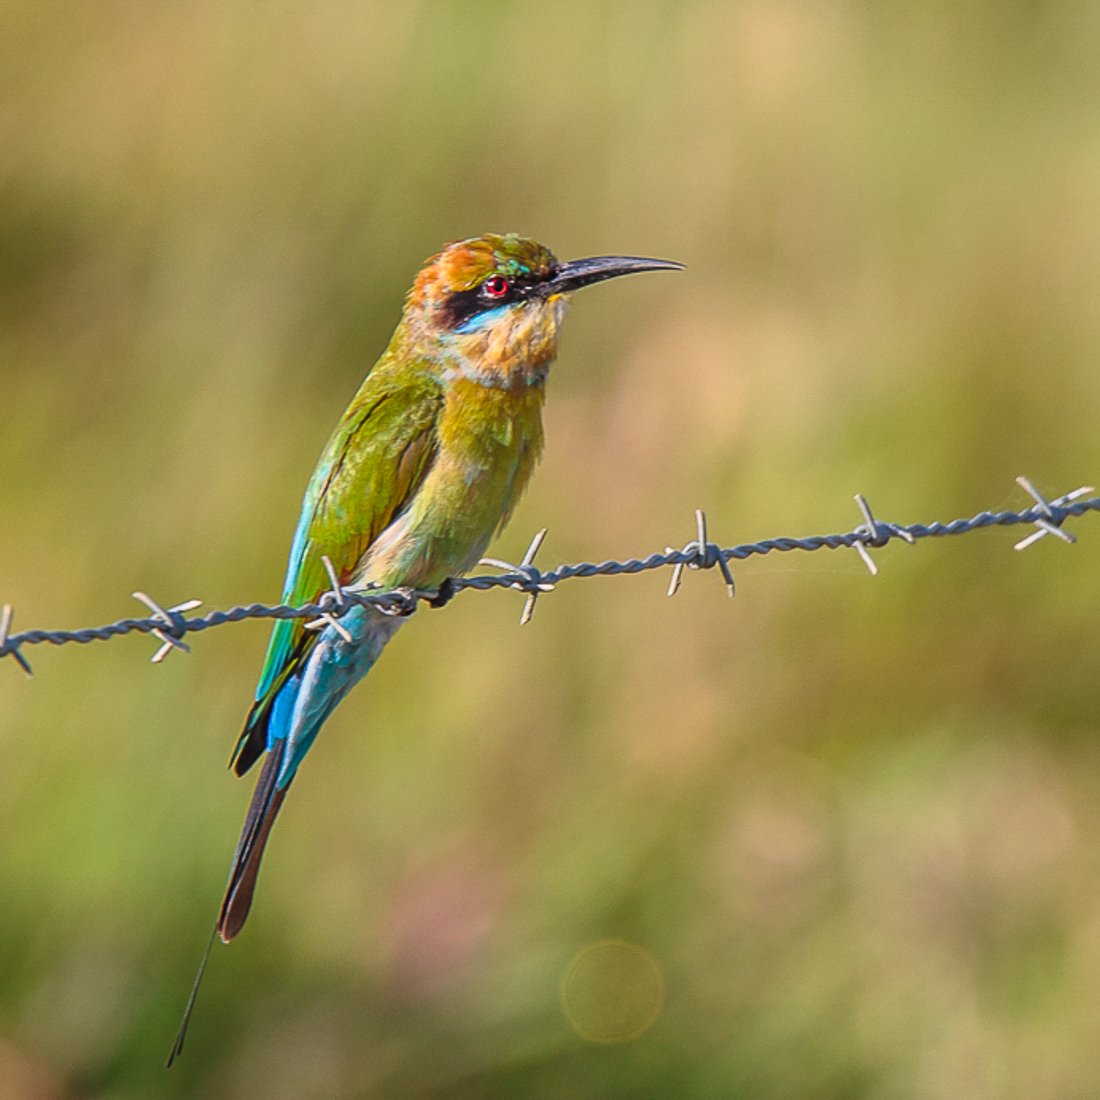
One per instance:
[(286, 724)]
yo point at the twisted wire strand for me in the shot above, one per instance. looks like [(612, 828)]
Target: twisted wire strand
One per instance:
[(170, 625)]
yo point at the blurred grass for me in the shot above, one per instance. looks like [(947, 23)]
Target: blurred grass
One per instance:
[(853, 822)]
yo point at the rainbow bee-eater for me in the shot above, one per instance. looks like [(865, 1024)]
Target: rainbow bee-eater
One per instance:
[(425, 466)]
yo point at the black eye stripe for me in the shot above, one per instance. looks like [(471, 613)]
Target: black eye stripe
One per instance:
[(464, 304)]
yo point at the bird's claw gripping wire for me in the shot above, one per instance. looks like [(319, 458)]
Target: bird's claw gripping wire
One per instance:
[(700, 553), (11, 650), (1050, 522), (443, 594), (533, 583), (399, 602), (175, 625)]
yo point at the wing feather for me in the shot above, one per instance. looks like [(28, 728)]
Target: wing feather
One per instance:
[(373, 466)]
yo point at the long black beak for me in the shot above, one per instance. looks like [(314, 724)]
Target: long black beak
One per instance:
[(578, 273)]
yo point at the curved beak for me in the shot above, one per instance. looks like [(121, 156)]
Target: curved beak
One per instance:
[(577, 273)]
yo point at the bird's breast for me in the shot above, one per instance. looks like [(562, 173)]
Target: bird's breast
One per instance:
[(489, 441)]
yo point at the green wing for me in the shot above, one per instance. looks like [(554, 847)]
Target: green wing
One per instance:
[(373, 465)]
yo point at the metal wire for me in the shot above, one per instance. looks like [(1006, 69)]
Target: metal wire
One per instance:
[(169, 625)]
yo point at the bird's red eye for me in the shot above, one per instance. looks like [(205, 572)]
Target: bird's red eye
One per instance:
[(496, 286)]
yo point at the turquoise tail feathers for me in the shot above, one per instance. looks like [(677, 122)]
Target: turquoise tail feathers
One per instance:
[(285, 724)]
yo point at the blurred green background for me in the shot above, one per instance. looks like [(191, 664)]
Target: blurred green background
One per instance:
[(851, 824)]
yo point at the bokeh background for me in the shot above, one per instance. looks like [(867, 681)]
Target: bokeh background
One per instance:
[(849, 825)]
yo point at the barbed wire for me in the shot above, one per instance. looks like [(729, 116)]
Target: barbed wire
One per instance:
[(169, 625)]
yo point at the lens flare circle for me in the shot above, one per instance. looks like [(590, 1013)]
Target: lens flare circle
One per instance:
[(612, 992)]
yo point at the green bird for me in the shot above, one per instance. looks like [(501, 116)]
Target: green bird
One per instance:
[(425, 466)]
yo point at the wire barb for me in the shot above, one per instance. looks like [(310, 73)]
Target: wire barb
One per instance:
[(337, 591), (1049, 523), (174, 625), (11, 649), (326, 618), (700, 553), (876, 534), (532, 583)]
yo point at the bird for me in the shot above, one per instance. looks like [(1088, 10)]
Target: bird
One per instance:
[(426, 465)]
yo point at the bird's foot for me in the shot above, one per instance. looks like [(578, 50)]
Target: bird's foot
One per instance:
[(401, 602), (444, 593)]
